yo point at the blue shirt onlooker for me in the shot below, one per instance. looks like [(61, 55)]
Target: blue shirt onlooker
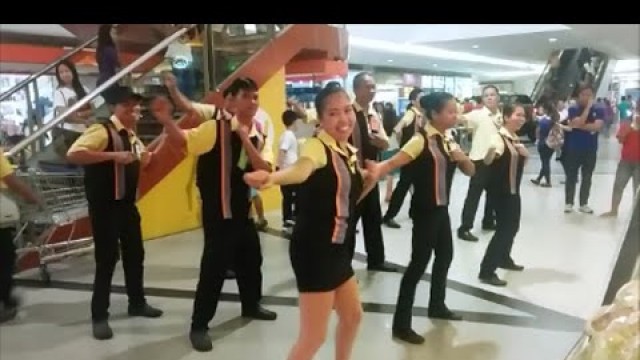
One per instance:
[(579, 139), (544, 127)]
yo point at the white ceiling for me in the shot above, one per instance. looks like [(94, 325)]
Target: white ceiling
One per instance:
[(403, 46), (505, 50)]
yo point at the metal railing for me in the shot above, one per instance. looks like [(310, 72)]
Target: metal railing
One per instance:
[(22, 145), (31, 78)]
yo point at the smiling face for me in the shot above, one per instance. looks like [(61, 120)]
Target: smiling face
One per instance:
[(128, 112), (337, 117)]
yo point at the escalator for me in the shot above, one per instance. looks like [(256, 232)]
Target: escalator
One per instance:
[(259, 52), (565, 70)]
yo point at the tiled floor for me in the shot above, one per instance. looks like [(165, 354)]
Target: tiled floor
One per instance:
[(539, 316)]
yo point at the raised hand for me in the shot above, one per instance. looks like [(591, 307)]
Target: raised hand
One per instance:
[(162, 109), (258, 179), (170, 80)]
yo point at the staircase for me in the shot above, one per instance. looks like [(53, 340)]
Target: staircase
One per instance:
[(228, 51)]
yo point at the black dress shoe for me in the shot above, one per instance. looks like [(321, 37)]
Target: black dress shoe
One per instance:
[(466, 235), (512, 267), (391, 223), (489, 227), (408, 335), (146, 311), (260, 313), (382, 268), (102, 330), (443, 314), (229, 275), (200, 340), (492, 279), (7, 313)]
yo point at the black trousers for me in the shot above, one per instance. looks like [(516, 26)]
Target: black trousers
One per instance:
[(545, 160), (585, 162), (288, 202), (116, 229), (7, 263), (431, 233), (228, 244), (477, 185), (398, 195), (371, 214), (508, 210)]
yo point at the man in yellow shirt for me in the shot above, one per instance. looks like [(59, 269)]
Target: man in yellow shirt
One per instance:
[(8, 303), (227, 146), (112, 156)]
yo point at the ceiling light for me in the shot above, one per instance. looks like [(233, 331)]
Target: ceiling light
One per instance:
[(435, 65), (553, 39), (475, 46), (432, 52), (390, 60)]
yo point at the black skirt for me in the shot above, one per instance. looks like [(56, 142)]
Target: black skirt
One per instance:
[(318, 264)]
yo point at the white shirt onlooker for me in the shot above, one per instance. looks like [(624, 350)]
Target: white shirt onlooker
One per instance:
[(484, 126), (65, 97), (289, 147)]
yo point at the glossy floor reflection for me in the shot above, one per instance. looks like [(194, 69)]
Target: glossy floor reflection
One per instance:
[(539, 315)]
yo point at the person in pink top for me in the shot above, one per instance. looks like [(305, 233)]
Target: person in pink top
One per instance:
[(629, 165)]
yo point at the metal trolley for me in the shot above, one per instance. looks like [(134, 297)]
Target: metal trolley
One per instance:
[(63, 202)]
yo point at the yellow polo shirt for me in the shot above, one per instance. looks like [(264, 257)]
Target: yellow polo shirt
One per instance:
[(96, 138), (415, 145), (313, 149), (202, 139)]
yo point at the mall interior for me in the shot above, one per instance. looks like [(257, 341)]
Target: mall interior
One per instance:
[(577, 296)]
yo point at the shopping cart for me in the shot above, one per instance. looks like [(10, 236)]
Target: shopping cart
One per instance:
[(63, 203)]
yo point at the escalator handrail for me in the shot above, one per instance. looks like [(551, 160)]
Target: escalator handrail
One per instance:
[(97, 91), (33, 77)]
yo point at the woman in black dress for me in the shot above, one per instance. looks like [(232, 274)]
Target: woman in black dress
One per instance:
[(432, 158), (506, 156), (329, 186)]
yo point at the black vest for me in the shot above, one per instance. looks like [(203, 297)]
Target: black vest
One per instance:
[(213, 190), (317, 211), (431, 185), (506, 170), (409, 130), (367, 149), (100, 178)]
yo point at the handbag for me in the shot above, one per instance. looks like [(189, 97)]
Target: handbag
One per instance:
[(9, 211)]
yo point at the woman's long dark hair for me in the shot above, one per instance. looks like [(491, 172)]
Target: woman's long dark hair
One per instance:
[(76, 85)]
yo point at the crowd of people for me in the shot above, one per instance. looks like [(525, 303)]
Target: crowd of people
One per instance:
[(329, 183)]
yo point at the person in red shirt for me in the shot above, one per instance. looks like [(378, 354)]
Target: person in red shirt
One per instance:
[(629, 165)]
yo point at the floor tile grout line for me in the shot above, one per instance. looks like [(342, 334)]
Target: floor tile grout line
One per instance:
[(368, 307)]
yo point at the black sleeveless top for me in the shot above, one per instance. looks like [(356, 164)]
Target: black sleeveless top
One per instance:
[(107, 181), (507, 169), (219, 175), (327, 199), (409, 130), (361, 140), (432, 174)]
